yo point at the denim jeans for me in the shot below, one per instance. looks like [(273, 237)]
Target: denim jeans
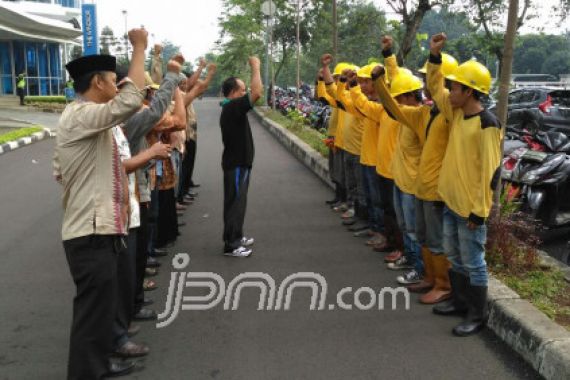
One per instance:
[(429, 225), (371, 189), (465, 248), (405, 207), (176, 158)]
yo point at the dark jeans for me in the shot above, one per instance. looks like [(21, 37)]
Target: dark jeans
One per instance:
[(371, 189), (141, 256), (126, 271), (236, 186), (392, 231), (93, 265), (185, 179)]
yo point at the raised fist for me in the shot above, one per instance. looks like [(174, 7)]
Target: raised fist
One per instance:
[(138, 38), (254, 62), (174, 66), (387, 42), (202, 62), (378, 71), (326, 59), (437, 42)]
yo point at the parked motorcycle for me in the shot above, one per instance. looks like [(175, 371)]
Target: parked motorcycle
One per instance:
[(536, 176)]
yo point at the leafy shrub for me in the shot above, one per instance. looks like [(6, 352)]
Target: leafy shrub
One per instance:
[(45, 99)]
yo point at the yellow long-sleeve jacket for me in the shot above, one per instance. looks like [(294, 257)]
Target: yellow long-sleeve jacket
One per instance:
[(430, 124), (354, 122), (471, 165), (388, 130), (341, 116), (410, 143), (324, 96)]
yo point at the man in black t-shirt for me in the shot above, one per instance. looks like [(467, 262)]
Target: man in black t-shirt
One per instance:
[(237, 158)]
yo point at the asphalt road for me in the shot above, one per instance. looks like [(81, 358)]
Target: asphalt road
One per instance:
[(294, 233)]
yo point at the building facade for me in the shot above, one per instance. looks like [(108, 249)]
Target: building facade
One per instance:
[(36, 38)]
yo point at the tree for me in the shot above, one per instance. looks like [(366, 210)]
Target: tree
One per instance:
[(412, 14), (109, 44)]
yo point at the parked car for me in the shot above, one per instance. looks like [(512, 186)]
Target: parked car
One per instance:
[(539, 109)]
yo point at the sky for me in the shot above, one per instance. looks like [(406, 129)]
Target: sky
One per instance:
[(193, 24)]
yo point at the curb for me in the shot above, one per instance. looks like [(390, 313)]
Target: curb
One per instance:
[(23, 141), (541, 342)]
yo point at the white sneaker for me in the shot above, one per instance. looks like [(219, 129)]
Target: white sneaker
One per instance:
[(239, 252), (247, 241)]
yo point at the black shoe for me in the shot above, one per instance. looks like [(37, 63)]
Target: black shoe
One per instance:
[(151, 262), (360, 226), (147, 301), (181, 224), (145, 315), (117, 369), (477, 314), (159, 252), (192, 194), (332, 201), (349, 222), (456, 305), (195, 185)]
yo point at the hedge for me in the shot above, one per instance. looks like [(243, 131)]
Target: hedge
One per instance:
[(45, 99)]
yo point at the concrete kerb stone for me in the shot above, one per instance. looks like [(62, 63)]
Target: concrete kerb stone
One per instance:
[(540, 341), (23, 141)]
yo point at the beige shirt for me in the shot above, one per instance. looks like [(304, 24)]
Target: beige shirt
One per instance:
[(95, 193)]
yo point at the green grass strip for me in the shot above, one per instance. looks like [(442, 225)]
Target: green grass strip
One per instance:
[(18, 134)]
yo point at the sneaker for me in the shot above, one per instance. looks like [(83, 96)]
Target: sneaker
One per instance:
[(410, 277), (348, 214), (401, 263), (393, 256), (378, 239), (340, 208), (247, 241), (239, 252)]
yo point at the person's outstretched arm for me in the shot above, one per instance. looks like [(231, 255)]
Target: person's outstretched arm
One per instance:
[(256, 85)]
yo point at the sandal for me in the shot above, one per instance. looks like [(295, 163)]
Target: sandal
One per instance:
[(149, 285)]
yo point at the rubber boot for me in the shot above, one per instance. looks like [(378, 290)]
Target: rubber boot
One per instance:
[(457, 304), (428, 281), (477, 314), (442, 288)]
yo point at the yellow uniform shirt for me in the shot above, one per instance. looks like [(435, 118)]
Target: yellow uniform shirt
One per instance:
[(471, 165), (323, 96), (340, 117), (353, 122), (388, 130)]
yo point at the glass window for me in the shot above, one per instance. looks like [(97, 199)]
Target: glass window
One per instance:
[(55, 87), (44, 86), (43, 59), (31, 60), (6, 64), (54, 61), (19, 57), (68, 3), (33, 88)]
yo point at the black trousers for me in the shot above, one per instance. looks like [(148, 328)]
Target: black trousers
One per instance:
[(391, 228), (167, 222), (93, 265), (21, 93), (126, 270), (141, 257), (236, 186), (185, 178)]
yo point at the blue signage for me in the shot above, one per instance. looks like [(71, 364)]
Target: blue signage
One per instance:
[(90, 39)]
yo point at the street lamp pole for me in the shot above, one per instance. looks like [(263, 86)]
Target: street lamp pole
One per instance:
[(126, 35), (298, 54)]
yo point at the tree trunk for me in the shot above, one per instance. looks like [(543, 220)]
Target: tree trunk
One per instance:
[(412, 23), (506, 71)]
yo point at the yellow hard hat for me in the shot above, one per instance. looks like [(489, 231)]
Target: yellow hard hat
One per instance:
[(366, 71), (340, 67), (405, 82), (472, 74), (448, 65)]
